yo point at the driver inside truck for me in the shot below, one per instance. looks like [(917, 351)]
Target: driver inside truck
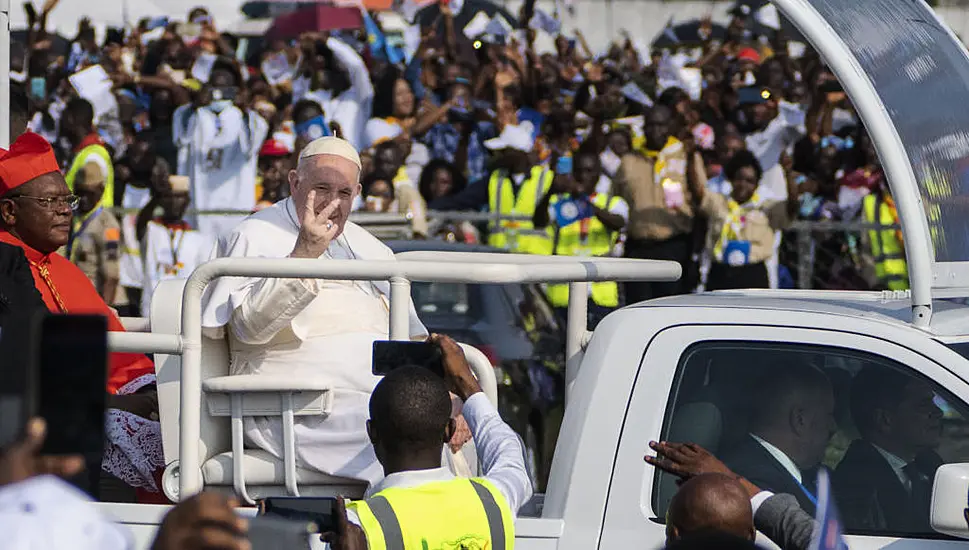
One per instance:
[(792, 421)]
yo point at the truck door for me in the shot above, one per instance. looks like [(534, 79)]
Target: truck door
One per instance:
[(831, 395)]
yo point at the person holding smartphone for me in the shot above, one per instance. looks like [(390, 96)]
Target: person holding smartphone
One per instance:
[(410, 417), (582, 218)]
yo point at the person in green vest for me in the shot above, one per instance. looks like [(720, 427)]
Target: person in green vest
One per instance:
[(886, 245), (582, 221), (420, 504), (511, 192), (81, 146)]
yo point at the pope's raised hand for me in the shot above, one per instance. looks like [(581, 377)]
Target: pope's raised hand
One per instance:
[(316, 230)]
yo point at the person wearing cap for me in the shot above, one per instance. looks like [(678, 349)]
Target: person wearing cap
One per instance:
[(309, 328), (95, 241), (170, 248), (35, 215), (84, 150), (275, 162), (513, 190)]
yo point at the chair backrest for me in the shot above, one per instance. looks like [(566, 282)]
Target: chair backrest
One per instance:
[(166, 316)]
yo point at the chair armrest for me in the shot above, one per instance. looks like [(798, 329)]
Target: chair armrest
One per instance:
[(253, 383)]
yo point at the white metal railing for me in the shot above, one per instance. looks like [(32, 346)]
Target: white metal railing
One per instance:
[(446, 267)]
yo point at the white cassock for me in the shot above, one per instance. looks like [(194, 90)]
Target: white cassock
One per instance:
[(306, 328), (170, 253), (219, 153)]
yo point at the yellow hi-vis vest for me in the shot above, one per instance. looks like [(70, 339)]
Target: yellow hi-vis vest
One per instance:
[(514, 235), (886, 248), (104, 159), (568, 241), (460, 514)]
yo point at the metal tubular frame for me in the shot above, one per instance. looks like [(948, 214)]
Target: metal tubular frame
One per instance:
[(5, 73), (895, 161), (446, 267)]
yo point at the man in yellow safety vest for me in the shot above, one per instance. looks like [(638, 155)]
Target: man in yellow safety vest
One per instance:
[(87, 150), (886, 245), (420, 504), (582, 220), (511, 193)]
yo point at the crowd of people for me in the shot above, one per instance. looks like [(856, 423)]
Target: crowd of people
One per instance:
[(574, 151), (703, 154)]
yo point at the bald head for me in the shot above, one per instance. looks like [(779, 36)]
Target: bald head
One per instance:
[(710, 503)]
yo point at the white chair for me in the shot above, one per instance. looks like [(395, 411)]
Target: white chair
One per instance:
[(226, 400)]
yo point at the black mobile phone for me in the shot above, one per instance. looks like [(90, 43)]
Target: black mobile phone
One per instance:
[(276, 533), (830, 86), (18, 380), (391, 355), (319, 510), (752, 95), (71, 369)]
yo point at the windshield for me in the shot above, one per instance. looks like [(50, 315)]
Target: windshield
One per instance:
[(922, 76), (441, 298)]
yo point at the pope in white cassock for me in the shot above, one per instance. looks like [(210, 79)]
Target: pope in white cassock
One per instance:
[(309, 327)]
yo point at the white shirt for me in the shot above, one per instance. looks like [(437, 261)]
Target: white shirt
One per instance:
[(132, 270), (170, 253), (500, 453), (781, 458), (898, 466), (45, 513), (219, 154), (770, 143)]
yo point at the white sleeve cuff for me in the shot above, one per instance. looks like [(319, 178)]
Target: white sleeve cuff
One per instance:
[(476, 409), (759, 499)]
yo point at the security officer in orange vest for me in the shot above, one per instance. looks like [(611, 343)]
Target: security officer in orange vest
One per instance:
[(420, 504), (511, 193)]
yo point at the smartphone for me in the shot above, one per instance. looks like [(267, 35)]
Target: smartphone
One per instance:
[(391, 355), (275, 533), (321, 511), (71, 372), (18, 383), (564, 165), (830, 86), (38, 88), (752, 95)]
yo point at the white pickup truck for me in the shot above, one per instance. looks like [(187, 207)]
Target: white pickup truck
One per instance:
[(679, 368)]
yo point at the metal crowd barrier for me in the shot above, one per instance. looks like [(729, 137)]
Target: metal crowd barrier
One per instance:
[(804, 249)]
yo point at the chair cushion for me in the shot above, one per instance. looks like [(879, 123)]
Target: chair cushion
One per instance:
[(261, 468)]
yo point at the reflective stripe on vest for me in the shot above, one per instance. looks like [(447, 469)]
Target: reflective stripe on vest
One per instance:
[(455, 524), (887, 251), (599, 242), (518, 236), (103, 158)]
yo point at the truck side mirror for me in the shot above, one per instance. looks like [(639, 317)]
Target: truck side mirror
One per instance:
[(949, 500)]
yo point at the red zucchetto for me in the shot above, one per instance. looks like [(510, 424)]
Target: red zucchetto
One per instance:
[(29, 157)]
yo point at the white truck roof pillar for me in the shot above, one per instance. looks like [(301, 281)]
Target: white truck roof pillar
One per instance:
[(853, 51), (5, 73)]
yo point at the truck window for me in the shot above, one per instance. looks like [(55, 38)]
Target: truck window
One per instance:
[(775, 413)]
